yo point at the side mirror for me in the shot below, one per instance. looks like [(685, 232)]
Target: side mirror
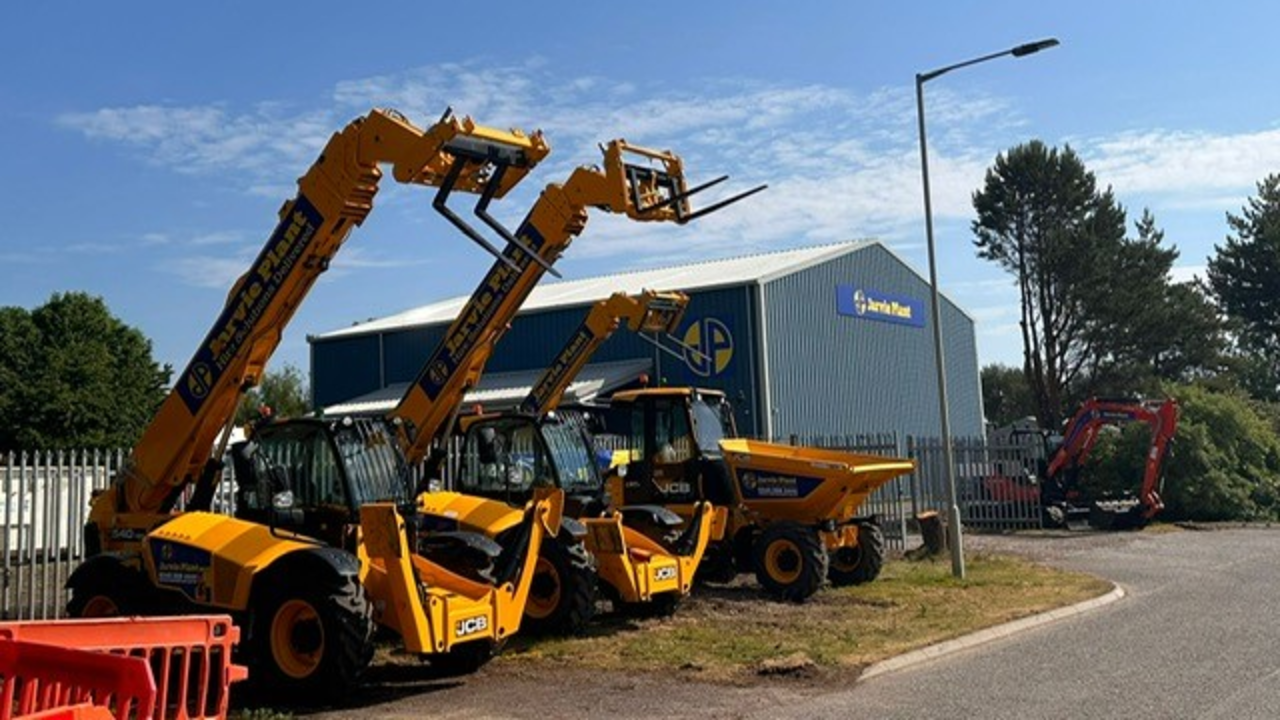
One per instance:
[(282, 500)]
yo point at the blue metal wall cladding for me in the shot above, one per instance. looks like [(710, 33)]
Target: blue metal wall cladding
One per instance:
[(404, 352), (828, 373), (718, 322), (344, 368), (837, 373)]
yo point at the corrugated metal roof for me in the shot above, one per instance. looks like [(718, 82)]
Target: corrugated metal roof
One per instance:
[(758, 268), (503, 391)]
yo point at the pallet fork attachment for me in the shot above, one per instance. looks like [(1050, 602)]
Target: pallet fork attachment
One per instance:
[(665, 188)]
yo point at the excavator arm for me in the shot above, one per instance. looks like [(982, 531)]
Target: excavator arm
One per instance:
[(650, 189), (1082, 434), (334, 196), (648, 312)]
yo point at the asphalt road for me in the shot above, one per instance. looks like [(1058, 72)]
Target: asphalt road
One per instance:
[(1196, 637)]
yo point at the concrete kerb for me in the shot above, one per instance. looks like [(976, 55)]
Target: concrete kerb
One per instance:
[(933, 652)]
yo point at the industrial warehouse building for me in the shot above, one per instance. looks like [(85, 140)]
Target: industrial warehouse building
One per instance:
[(828, 340)]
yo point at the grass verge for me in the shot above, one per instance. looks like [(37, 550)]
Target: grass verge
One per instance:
[(733, 633)]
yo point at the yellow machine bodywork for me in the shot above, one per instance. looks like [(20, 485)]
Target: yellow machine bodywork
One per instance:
[(773, 481), (846, 479), (652, 190), (214, 560), (793, 511), (144, 554), (235, 552), (636, 566), (334, 197), (448, 609)]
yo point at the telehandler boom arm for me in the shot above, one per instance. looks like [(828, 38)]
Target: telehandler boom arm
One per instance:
[(334, 196), (654, 192), (650, 312)]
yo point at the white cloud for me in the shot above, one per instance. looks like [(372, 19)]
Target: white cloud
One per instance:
[(358, 258), (221, 237), (993, 314), (995, 286), (94, 248), (22, 258), (209, 271), (839, 164), (1187, 273), (207, 139), (1196, 169)]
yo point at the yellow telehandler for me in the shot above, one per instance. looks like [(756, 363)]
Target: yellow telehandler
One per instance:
[(331, 549), (646, 563)]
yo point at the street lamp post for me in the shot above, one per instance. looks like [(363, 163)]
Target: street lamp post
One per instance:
[(954, 537)]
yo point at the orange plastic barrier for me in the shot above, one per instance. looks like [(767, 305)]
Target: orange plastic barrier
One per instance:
[(188, 657), (48, 681)]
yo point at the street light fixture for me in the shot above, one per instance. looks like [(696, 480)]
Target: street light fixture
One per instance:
[(954, 538)]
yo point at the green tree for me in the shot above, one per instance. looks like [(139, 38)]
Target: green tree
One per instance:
[(75, 376), (1005, 394), (1042, 218), (18, 350), (1244, 278), (1146, 330), (284, 392)]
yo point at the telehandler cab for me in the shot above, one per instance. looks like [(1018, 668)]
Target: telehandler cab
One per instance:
[(792, 510), (306, 588)]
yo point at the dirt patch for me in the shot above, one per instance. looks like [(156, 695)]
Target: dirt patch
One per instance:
[(794, 665)]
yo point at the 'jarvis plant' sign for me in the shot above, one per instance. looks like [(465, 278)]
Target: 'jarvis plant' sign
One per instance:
[(870, 304)]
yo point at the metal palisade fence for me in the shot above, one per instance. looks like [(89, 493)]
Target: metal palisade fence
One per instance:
[(45, 503), (997, 486)]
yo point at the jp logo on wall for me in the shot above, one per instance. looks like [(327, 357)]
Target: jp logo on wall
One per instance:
[(708, 347)]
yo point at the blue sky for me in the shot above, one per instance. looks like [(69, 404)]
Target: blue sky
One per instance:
[(147, 146)]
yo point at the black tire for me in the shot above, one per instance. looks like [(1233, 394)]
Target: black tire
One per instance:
[(662, 605), (717, 566), (562, 597), (463, 659), (312, 638), (862, 562), (790, 561), (106, 589)]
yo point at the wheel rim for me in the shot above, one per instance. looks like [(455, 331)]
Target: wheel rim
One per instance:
[(544, 591), (297, 638), (783, 562), (100, 606)]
